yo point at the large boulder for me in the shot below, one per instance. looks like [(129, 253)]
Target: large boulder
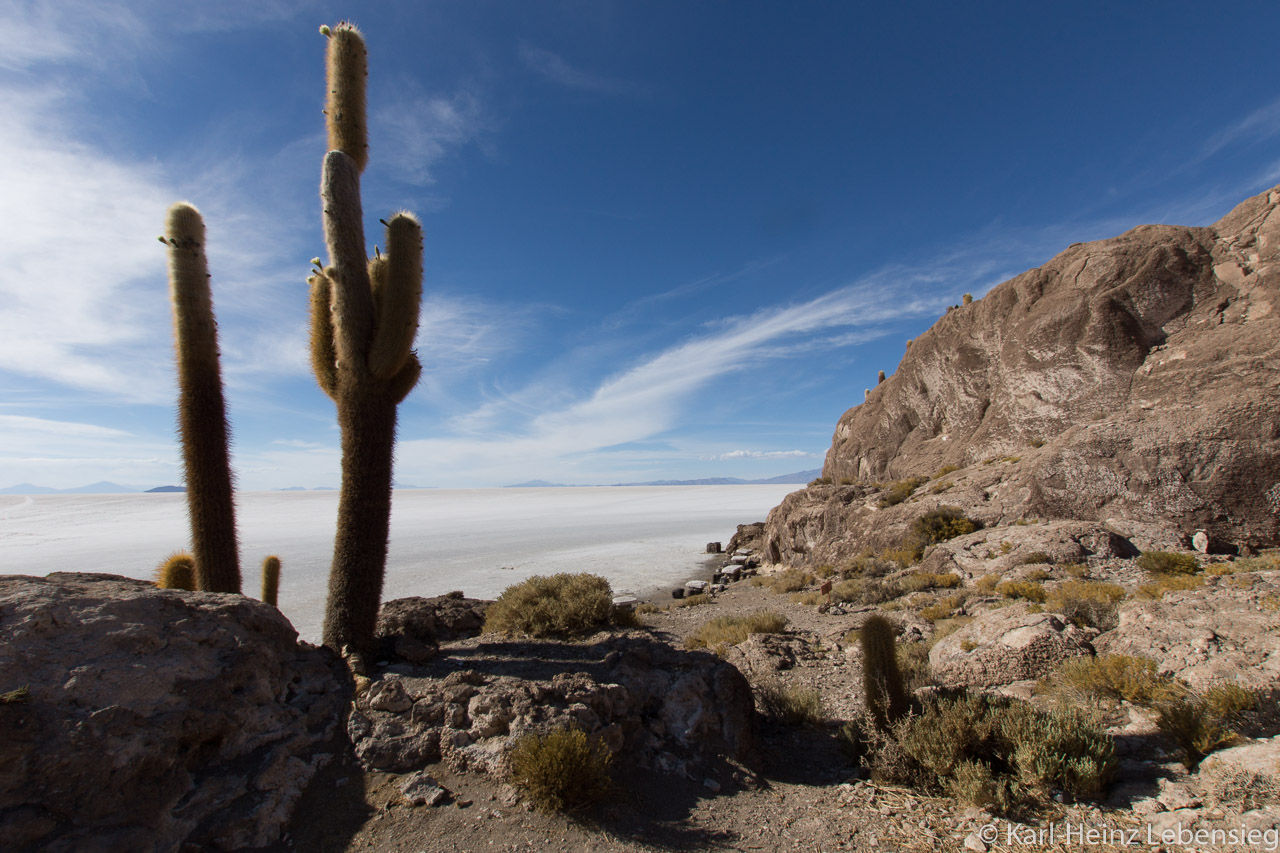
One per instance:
[(154, 720), (1130, 381), (1002, 646), (411, 629)]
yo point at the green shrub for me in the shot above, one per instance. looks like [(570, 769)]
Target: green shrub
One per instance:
[(563, 770), (941, 524), (562, 605), (790, 706), (725, 631), (1065, 748), (1168, 563), (1089, 604), (898, 492)]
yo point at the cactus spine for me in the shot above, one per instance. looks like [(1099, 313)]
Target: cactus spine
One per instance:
[(886, 695), (202, 413), (364, 316), (178, 571), (271, 580)]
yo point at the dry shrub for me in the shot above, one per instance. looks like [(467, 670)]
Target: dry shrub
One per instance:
[(1168, 563), (921, 581), (1088, 604), (563, 770), (987, 583), (790, 706), (809, 598), (1168, 583), (562, 605), (725, 631), (1036, 558), (647, 607), (942, 608), (693, 600), (1191, 724), (1267, 561), (867, 591), (941, 524), (1028, 590), (898, 492), (789, 580), (1075, 570), (1114, 677)]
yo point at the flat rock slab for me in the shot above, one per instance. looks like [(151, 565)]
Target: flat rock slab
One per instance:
[(1002, 646)]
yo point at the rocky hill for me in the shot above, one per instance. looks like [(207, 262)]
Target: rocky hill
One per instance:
[(1132, 382)]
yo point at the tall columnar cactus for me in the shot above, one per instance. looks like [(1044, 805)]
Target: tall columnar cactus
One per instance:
[(364, 316), (271, 580), (202, 413), (886, 695)]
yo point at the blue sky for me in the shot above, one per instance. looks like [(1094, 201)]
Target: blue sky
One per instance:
[(663, 239)]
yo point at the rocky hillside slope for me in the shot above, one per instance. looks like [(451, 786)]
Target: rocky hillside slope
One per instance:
[(1132, 381)]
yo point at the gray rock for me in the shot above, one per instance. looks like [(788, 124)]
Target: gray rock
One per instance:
[(1002, 646), (155, 718), (421, 789)]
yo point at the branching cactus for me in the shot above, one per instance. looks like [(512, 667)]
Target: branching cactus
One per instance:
[(202, 412), (364, 316)]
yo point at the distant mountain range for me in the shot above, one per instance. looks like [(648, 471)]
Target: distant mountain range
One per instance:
[(798, 478), (100, 488)]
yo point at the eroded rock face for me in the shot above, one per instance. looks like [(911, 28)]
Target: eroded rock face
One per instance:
[(156, 720), (1131, 380), (411, 629), (1002, 646), (652, 705)]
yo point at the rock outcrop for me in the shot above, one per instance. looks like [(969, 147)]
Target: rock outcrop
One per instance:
[(1007, 645), (1131, 382), (154, 720)]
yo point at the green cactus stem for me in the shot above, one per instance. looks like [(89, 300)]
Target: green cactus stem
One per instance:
[(202, 413), (364, 316), (271, 580)]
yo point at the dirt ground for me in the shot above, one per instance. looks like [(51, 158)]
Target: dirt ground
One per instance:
[(808, 794)]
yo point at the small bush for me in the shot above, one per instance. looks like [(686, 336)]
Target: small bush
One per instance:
[(725, 631), (790, 706), (898, 492), (1065, 748), (941, 524), (563, 770), (1029, 590), (945, 470), (1191, 724), (1169, 583), (1075, 570), (1168, 563), (1115, 677), (647, 607), (868, 591), (562, 605), (1036, 575), (921, 581), (1229, 702), (693, 600), (820, 481), (1088, 604), (1266, 562), (904, 556), (1036, 557), (987, 583), (942, 608), (789, 580), (868, 565), (810, 598)]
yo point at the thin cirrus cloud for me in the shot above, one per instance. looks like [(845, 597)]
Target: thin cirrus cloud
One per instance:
[(763, 454), (419, 131), (555, 69)]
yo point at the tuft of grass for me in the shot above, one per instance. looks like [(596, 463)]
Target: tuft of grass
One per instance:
[(810, 598), (724, 631), (1229, 702), (945, 470), (1190, 723), (1088, 604), (562, 605), (921, 581), (1028, 590), (791, 706), (563, 770), (820, 481), (647, 607), (867, 591), (942, 608), (1075, 570), (1268, 561), (899, 491), (13, 697), (1159, 563), (987, 583), (904, 556), (693, 600), (1036, 557)]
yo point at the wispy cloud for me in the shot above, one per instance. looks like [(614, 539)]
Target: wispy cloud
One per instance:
[(1262, 123), (557, 70), (17, 423), (763, 454), (418, 132)]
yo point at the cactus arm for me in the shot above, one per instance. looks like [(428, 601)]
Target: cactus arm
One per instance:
[(346, 70), (401, 296), (202, 412), (405, 379), (323, 358), (348, 270)]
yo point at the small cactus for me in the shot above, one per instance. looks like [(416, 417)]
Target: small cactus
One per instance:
[(967, 299), (886, 694), (880, 378), (178, 571), (271, 580)]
